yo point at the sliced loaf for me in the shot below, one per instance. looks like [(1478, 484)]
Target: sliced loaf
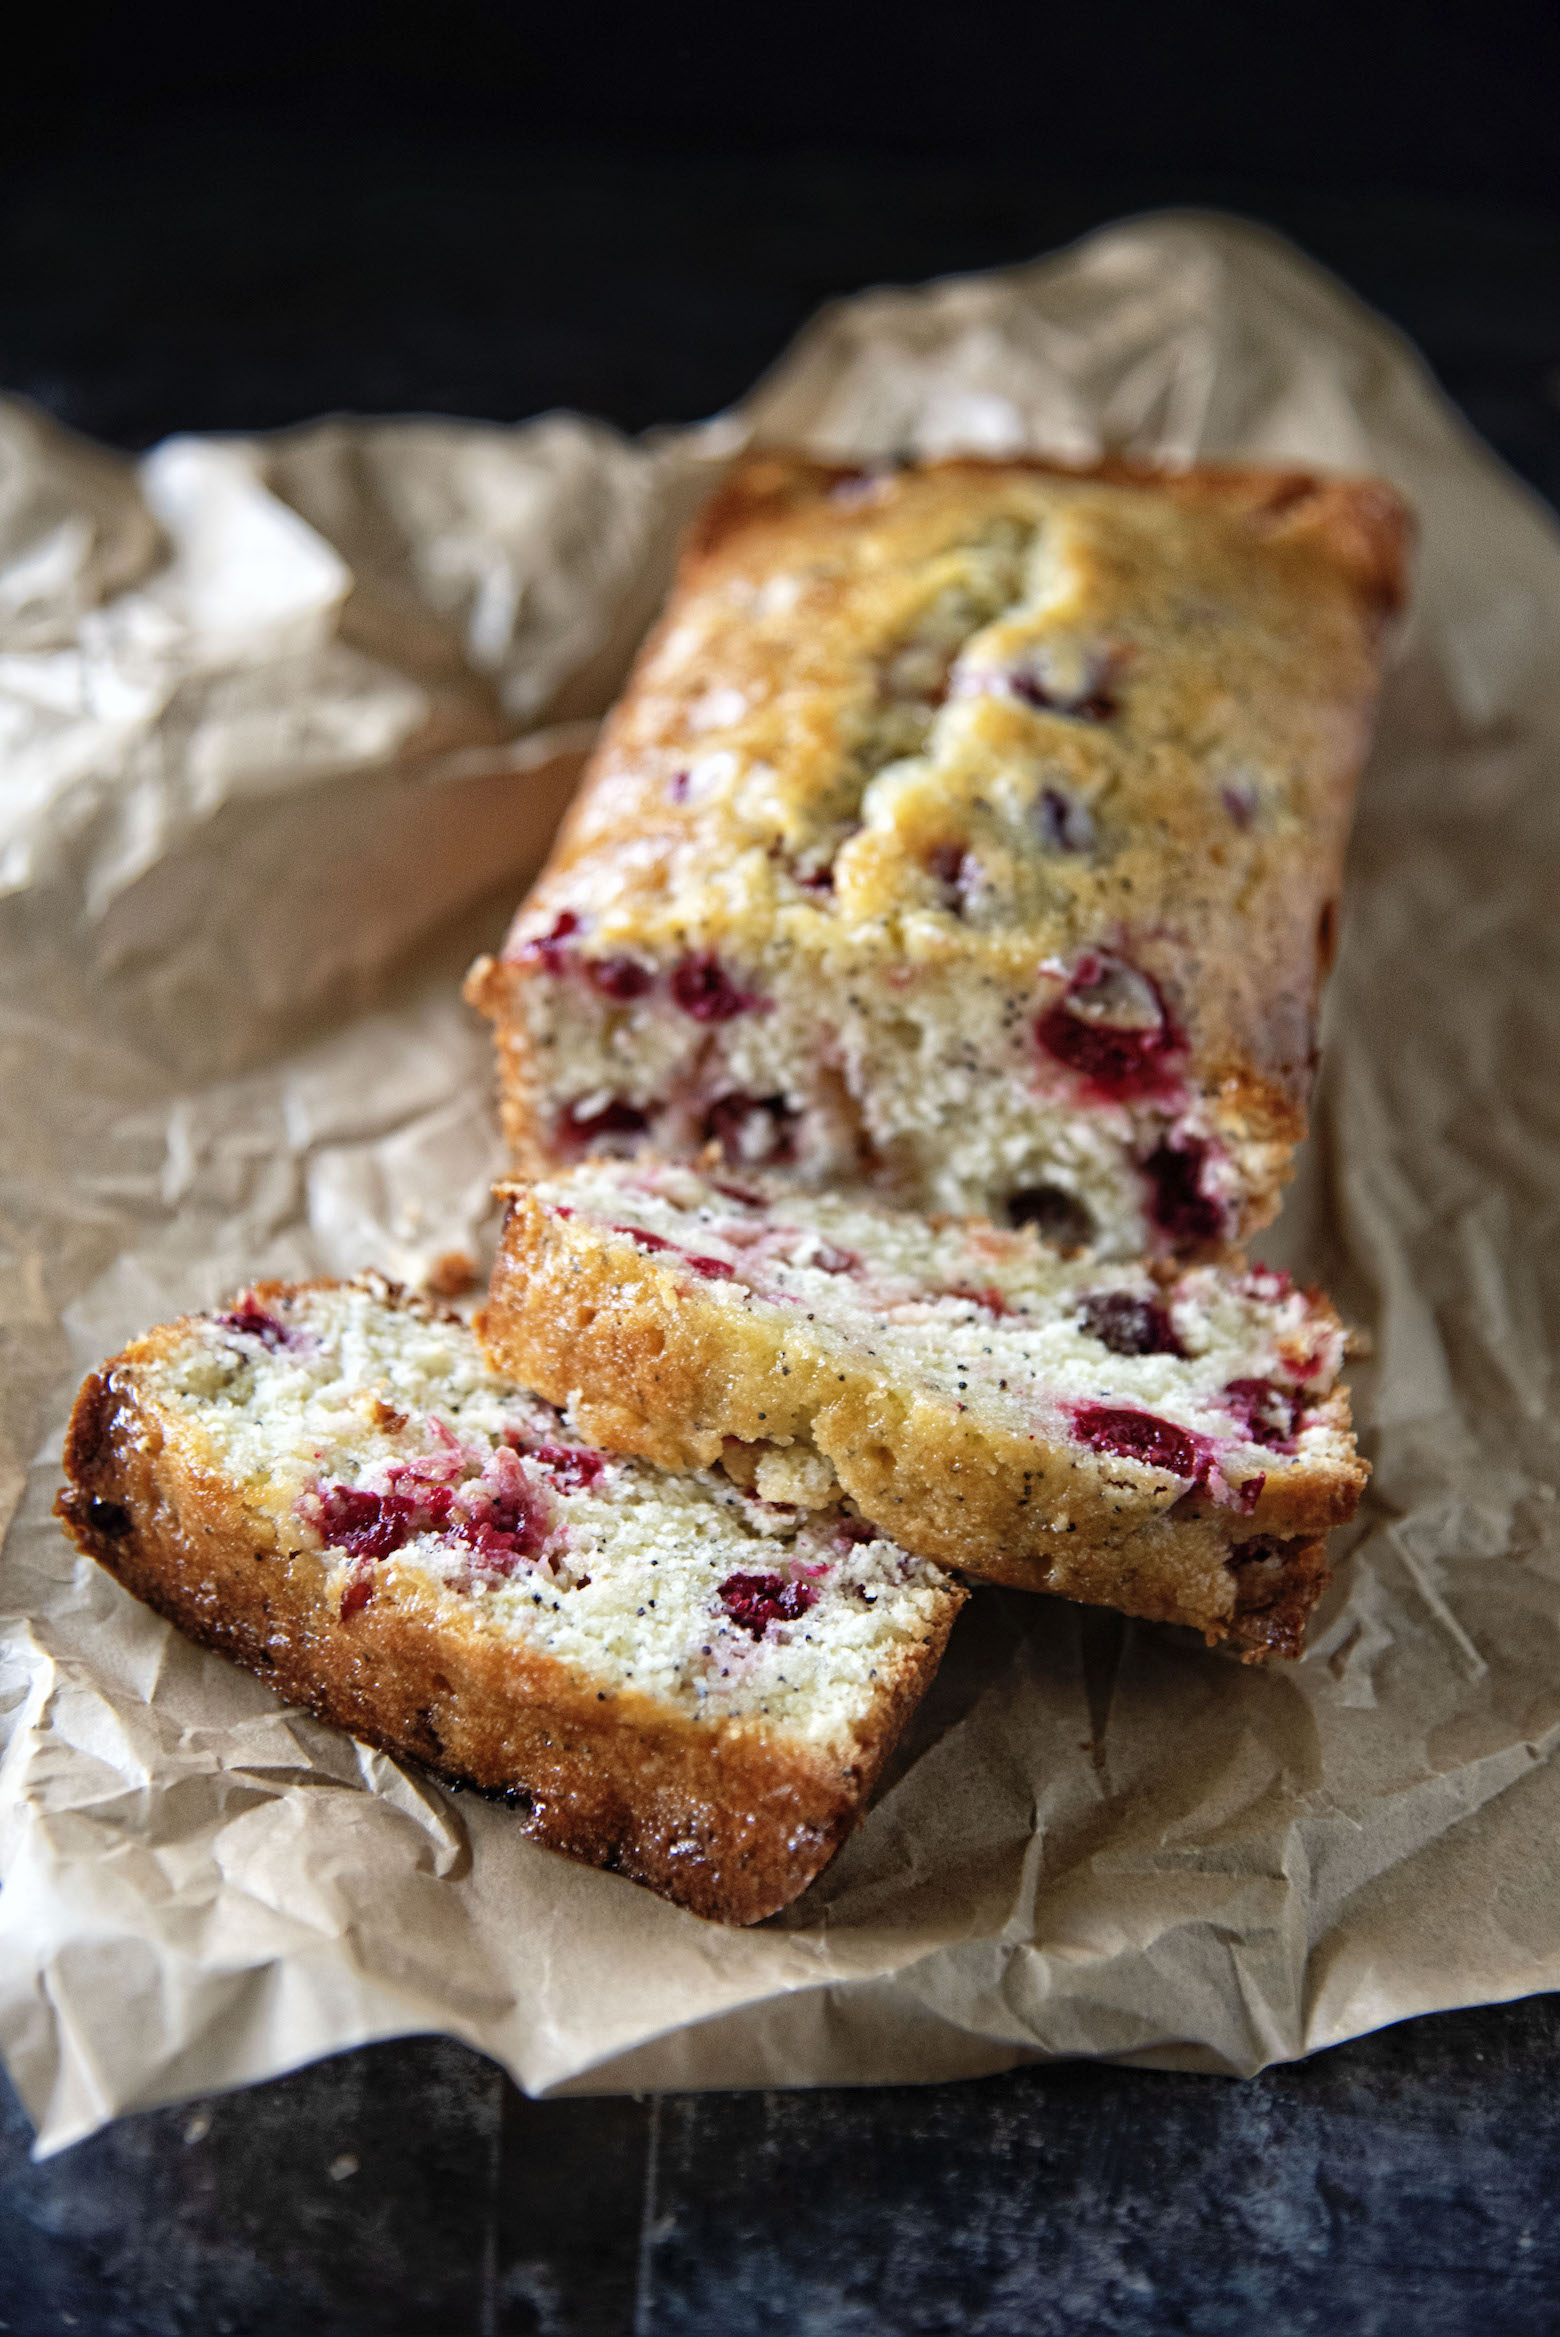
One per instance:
[(664, 1674), (1170, 1442)]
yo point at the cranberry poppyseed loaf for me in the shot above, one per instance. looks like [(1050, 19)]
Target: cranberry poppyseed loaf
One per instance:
[(1172, 1442), (974, 829), (664, 1674)]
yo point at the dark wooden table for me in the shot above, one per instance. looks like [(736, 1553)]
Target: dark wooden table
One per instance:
[(210, 276), (1402, 2186)]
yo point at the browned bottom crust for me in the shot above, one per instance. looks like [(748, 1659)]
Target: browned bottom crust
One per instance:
[(647, 1365), (718, 1818)]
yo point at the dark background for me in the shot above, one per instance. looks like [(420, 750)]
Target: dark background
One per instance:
[(472, 208), (252, 218)]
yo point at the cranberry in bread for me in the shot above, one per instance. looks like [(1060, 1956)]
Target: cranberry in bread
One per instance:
[(974, 830), (669, 1675), (1171, 1442)]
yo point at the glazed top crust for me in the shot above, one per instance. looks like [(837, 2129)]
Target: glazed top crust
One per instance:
[(994, 715)]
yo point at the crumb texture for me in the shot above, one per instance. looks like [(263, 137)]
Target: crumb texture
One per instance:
[(668, 1672), (971, 830), (1114, 1431)]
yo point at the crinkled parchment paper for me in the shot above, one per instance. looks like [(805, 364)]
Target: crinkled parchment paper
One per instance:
[(284, 727)]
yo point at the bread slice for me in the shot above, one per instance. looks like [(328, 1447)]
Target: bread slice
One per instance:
[(974, 829), (1172, 1443), (662, 1673)]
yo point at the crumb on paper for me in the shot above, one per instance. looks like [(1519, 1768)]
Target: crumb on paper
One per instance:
[(452, 1274)]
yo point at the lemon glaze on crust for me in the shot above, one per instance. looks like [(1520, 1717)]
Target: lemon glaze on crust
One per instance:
[(972, 829)]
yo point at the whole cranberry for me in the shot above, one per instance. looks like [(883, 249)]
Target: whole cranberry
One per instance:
[(1140, 1436), (703, 988)]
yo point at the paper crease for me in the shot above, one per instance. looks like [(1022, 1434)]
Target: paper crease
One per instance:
[(285, 726)]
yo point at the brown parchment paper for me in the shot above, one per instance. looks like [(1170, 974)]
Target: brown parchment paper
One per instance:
[(284, 726)]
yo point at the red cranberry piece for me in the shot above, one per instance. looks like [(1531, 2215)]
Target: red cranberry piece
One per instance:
[(551, 949), (1123, 1064), (703, 988), (505, 1523), (958, 873), (573, 1468), (648, 1241), (1112, 1026), (498, 1550), (829, 1260), (818, 875), (752, 1131), (715, 1268), (988, 1297), (1066, 825), (616, 1118), (737, 1193), (1180, 1207), (253, 1320), (430, 1503), (366, 1525), (1056, 1216), (1094, 703), (621, 978), (359, 1589), (1140, 1436), (756, 1600), (677, 787), (1267, 1412), (1128, 1325), (852, 1530), (520, 1515)]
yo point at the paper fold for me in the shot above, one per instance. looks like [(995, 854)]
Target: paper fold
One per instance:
[(286, 726)]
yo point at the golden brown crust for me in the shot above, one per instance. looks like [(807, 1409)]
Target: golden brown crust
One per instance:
[(646, 1364), (719, 1819), (1363, 524), (1245, 605)]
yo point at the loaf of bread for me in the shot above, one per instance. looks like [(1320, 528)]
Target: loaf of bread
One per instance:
[(666, 1674), (974, 830), (1173, 1442)]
